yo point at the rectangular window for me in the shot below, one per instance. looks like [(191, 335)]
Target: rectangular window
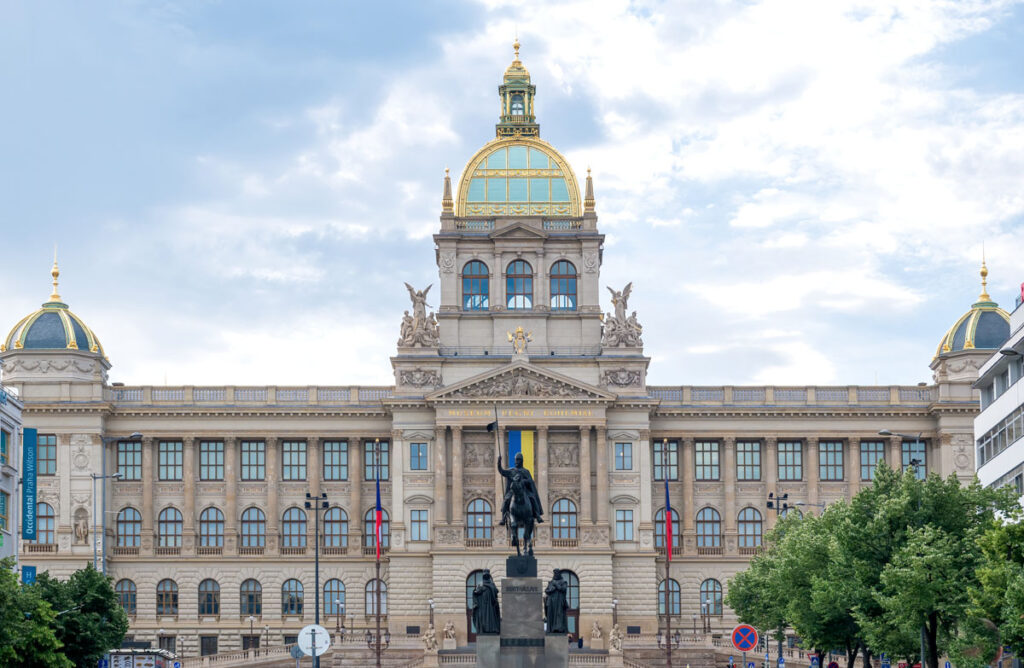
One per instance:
[(623, 456), (623, 525), (46, 454), (748, 460), (420, 528), (129, 460), (705, 455), (211, 460), (207, 645), (915, 451), (335, 460), (254, 460), (830, 460), (4, 445), (370, 460), (666, 460), (417, 456), (872, 453), (167, 643), (5, 504), (791, 460), (293, 460), (170, 460)]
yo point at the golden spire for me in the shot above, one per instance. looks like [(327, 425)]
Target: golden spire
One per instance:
[(447, 205), (515, 47), (588, 196), (984, 296), (55, 272)]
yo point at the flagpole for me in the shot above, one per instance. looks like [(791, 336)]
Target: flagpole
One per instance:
[(379, 532)]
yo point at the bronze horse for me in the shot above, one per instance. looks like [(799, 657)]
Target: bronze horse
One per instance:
[(520, 514)]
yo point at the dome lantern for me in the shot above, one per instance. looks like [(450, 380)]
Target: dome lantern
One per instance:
[(517, 118)]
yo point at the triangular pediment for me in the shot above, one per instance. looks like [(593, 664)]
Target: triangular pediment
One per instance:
[(518, 230), (520, 381)]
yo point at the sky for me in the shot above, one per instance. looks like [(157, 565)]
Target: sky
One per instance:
[(800, 191)]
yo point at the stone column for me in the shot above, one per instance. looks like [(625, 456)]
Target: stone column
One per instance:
[(148, 483), (770, 467), (688, 509), (399, 539), (313, 471), (355, 486), (894, 458), (188, 475), (458, 504), (231, 475), (273, 459), (811, 473), (728, 476), (542, 469), (586, 512), (853, 465), (440, 476), (646, 491), (603, 454)]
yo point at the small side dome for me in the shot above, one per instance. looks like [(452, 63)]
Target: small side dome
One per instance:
[(52, 327), (984, 327)]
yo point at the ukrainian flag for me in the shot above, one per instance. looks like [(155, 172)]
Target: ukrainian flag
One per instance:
[(521, 442)]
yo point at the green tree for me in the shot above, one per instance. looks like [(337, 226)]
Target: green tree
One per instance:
[(92, 621), (27, 639)]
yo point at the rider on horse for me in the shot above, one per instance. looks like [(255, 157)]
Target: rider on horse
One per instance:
[(529, 487)]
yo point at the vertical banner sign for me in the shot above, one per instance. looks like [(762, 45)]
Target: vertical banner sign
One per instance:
[(28, 483), (28, 574), (521, 442)]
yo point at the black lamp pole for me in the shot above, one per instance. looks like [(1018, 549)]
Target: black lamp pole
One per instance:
[(316, 503)]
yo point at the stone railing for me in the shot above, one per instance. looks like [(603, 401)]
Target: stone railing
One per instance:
[(846, 395), (246, 657), (230, 395)]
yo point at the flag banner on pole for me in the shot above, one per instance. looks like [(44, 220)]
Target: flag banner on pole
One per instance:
[(521, 442), (668, 523), (378, 514)]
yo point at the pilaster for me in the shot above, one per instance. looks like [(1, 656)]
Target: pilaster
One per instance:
[(313, 468), (355, 486), (148, 484), (686, 472), (458, 504), (188, 474), (770, 466), (542, 467), (853, 465), (811, 473), (603, 455), (273, 460), (231, 475), (440, 477), (586, 507)]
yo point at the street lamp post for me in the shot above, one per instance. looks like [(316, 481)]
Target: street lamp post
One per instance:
[(266, 637), (316, 504), (104, 440), (251, 620)]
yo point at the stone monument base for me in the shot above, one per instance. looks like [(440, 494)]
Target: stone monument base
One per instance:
[(449, 643)]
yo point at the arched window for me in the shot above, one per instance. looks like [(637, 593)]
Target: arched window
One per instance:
[(563, 522), (573, 599), (334, 597), (475, 578), (659, 528), (167, 597), (478, 519), (563, 286), (675, 597), (476, 286), (127, 595), (709, 528), (336, 528), (518, 108), (711, 597), (211, 528), (169, 527), (519, 285), (209, 597), (750, 527), (293, 525), (46, 533), (254, 528), (129, 527), (371, 597), (370, 533), (291, 597), (251, 598)]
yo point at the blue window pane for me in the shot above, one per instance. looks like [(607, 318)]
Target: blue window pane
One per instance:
[(559, 192), (476, 190), (539, 190), (496, 190), (517, 190), (517, 157), (496, 160), (538, 159)]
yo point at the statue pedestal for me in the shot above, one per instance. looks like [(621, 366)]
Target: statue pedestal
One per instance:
[(449, 643)]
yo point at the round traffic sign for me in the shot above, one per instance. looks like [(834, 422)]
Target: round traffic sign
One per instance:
[(782, 662), (744, 637), (833, 664), (314, 638)]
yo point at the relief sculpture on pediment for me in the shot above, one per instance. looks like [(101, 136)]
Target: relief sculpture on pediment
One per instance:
[(518, 384)]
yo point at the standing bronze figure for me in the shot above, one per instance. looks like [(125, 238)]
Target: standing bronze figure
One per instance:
[(486, 614), (556, 604)]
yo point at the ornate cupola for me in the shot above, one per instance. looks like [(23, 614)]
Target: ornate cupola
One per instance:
[(517, 117)]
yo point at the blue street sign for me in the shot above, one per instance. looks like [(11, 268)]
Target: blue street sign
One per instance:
[(886, 664), (814, 661), (948, 665), (750, 664), (28, 574), (782, 662), (177, 664), (104, 664)]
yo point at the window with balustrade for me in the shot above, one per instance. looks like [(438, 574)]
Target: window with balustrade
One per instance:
[(519, 285), (872, 453), (127, 596), (169, 460), (167, 598), (293, 528), (830, 460), (372, 589), (254, 528), (748, 460), (750, 527), (129, 460), (666, 460), (129, 527), (709, 528), (675, 594), (335, 528), (209, 597), (211, 528), (711, 597), (291, 597), (169, 524), (563, 286), (478, 520), (791, 460), (46, 524), (335, 460), (705, 455), (659, 529), (211, 460), (334, 597), (251, 598), (564, 520), (293, 460), (369, 529), (254, 460), (476, 286), (46, 454)]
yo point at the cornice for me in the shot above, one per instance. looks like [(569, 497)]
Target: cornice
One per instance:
[(756, 412)]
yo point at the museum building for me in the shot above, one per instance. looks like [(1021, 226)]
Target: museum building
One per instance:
[(201, 491)]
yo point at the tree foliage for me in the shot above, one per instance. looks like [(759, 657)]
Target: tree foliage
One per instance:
[(27, 637)]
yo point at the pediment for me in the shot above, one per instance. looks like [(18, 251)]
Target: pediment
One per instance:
[(518, 230), (521, 381)]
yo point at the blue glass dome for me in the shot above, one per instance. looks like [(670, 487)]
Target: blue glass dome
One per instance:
[(52, 327), (984, 327)]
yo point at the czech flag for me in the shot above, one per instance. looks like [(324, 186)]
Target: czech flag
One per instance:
[(668, 523), (378, 515), (521, 442)]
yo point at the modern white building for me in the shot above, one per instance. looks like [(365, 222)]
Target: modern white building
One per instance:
[(10, 446), (999, 427)]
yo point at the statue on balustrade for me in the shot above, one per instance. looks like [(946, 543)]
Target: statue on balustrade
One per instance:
[(486, 614), (556, 604)]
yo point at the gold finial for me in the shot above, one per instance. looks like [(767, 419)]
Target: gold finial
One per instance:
[(515, 47), (55, 272), (984, 296)]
